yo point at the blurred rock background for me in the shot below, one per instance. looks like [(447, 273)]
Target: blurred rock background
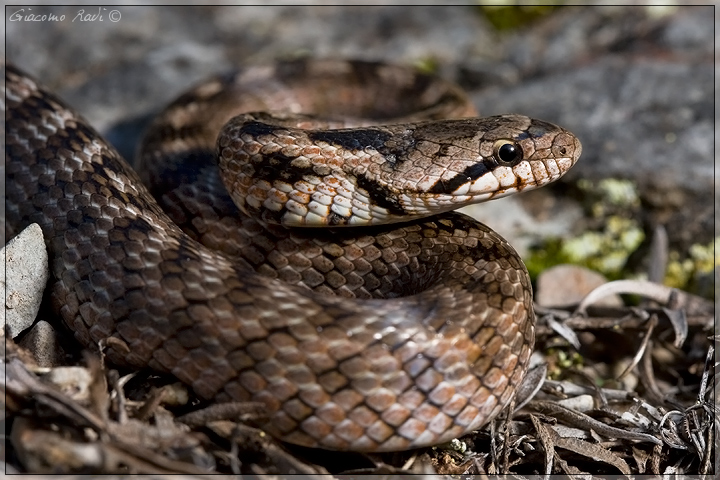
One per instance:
[(635, 83)]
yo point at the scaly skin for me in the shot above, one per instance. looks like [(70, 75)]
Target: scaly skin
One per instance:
[(438, 349)]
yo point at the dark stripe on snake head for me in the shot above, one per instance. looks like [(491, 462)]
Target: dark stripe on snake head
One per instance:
[(281, 167), (380, 195), (448, 132), (470, 174), (354, 140), (537, 129), (256, 129)]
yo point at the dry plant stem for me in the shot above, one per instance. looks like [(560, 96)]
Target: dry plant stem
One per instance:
[(409, 462), (706, 374), (546, 443), (222, 411), (707, 454), (22, 383), (493, 444), (652, 323), (98, 388), (647, 376), (148, 407), (591, 450), (658, 255), (119, 396), (654, 291), (622, 318), (506, 437), (112, 449), (580, 420), (567, 389), (149, 462), (233, 458)]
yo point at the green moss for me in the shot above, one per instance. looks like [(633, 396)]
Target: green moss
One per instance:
[(427, 65), (606, 251), (507, 15), (609, 194), (612, 208), (687, 272), (544, 256), (611, 203), (559, 360)]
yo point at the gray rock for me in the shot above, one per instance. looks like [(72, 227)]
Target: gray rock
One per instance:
[(26, 262), (43, 343), (645, 117)]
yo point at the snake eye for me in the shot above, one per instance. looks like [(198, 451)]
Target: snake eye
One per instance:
[(507, 153)]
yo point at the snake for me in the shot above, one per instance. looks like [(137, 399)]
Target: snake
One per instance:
[(400, 324)]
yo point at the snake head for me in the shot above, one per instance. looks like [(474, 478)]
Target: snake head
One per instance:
[(389, 174), (480, 159)]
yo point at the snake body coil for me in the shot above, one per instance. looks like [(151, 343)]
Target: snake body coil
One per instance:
[(440, 331)]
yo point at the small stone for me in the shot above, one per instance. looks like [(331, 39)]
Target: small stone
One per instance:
[(25, 260), (581, 403), (42, 342), (565, 285), (73, 381)]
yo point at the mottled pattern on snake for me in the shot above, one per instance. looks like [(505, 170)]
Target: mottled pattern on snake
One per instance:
[(436, 349)]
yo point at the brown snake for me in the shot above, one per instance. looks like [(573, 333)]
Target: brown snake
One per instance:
[(441, 334)]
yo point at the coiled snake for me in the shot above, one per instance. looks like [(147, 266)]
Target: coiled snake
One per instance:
[(241, 308)]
